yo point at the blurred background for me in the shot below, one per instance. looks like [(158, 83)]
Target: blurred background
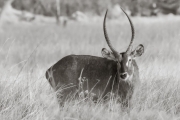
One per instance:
[(62, 10), (97, 7)]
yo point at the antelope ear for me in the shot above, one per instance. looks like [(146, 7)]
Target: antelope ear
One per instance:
[(107, 54), (138, 51)]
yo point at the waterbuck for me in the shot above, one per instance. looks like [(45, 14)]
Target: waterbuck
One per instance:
[(115, 72)]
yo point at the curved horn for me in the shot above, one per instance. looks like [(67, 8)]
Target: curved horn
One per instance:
[(132, 30), (116, 54)]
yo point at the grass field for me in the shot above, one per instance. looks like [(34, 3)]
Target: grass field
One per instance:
[(26, 51)]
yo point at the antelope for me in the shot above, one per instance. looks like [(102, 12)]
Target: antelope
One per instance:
[(115, 72)]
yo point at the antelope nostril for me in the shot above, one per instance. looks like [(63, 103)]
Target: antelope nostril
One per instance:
[(123, 75)]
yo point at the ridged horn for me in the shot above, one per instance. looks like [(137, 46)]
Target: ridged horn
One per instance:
[(132, 30), (116, 54)]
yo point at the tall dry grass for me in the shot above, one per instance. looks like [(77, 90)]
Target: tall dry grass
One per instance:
[(28, 50)]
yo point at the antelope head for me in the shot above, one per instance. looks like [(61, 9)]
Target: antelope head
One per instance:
[(125, 60)]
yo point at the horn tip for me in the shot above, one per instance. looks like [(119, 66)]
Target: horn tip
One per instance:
[(106, 11), (105, 14), (122, 9)]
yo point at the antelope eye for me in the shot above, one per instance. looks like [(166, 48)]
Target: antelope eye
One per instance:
[(130, 60)]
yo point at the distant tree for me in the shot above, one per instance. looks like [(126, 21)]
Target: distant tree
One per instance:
[(168, 6)]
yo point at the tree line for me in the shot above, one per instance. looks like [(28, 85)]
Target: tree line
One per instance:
[(97, 7)]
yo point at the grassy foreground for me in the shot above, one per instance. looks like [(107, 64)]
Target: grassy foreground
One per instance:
[(28, 50)]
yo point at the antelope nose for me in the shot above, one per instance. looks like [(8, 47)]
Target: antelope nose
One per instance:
[(123, 75)]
